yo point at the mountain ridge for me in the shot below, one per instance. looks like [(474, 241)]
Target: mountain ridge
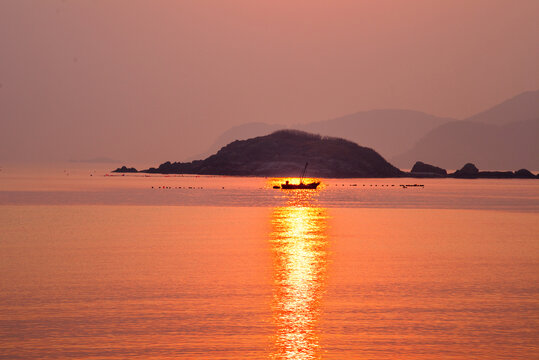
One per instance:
[(402, 135), (490, 146), (522, 107), (393, 132)]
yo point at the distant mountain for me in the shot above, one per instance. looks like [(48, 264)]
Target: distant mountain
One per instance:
[(519, 108), (498, 138), (502, 137), (388, 131), (284, 153), (511, 146)]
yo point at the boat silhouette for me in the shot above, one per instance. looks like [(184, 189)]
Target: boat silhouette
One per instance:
[(301, 185)]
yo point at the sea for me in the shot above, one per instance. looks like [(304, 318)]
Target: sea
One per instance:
[(96, 265)]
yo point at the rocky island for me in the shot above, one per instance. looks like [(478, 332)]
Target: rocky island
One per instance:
[(285, 152), (468, 171)]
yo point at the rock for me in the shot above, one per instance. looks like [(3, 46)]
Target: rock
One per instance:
[(125, 169), (468, 171), (421, 167), (524, 174), (496, 174)]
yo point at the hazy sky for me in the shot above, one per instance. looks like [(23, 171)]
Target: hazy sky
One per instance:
[(160, 80)]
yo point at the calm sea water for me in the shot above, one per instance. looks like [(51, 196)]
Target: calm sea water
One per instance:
[(116, 267)]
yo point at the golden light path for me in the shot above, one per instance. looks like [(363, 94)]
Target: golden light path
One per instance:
[(300, 246)]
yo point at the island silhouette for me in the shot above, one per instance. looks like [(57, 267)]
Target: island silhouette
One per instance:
[(284, 153)]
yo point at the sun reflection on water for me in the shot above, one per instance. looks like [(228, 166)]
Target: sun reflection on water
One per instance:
[(300, 247)]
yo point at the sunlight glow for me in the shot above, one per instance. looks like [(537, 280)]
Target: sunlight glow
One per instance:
[(299, 244), (293, 180)]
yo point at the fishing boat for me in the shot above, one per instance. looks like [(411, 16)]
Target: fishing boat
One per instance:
[(301, 185)]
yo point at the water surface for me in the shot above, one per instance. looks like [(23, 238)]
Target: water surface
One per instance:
[(99, 267)]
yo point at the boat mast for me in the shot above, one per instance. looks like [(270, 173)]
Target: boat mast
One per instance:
[(302, 175)]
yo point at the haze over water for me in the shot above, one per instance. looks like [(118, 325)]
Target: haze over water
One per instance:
[(101, 267)]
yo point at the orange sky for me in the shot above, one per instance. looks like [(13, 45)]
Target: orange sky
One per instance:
[(85, 78)]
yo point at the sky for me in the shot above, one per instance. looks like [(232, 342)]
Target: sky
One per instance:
[(156, 80)]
